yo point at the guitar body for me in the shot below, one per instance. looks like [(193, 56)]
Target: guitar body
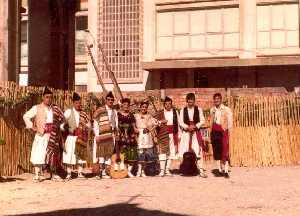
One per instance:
[(117, 161)]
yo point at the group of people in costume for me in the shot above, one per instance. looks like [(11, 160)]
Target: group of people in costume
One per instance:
[(143, 139)]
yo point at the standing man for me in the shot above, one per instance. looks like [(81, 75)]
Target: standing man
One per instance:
[(168, 136), (105, 128), (221, 117), (191, 119), (47, 146), (77, 127)]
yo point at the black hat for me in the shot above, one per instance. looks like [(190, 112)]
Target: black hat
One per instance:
[(110, 95), (125, 100), (144, 102), (167, 99), (47, 91), (76, 97)]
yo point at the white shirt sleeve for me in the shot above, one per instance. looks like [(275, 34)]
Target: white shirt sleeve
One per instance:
[(96, 128), (202, 119), (181, 121), (67, 115), (28, 116)]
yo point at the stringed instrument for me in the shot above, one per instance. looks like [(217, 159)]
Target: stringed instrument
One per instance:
[(118, 168)]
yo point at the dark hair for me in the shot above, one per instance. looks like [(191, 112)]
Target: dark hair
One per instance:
[(144, 102), (167, 99), (190, 96), (125, 100), (217, 95), (76, 97), (110, 95)]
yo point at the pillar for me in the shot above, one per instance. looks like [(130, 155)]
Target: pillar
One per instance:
[(9, 40), (247, 29), (51, 43)]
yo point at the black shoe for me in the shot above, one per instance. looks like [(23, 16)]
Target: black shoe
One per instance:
[(217, 173), (226, 175)]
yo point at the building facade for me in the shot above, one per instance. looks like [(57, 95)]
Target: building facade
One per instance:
[(154, 44)]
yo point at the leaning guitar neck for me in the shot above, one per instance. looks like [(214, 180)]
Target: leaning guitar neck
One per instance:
[(96, 69)]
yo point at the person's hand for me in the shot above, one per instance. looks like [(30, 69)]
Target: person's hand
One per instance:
[(164, 122), (191, 128), (34, 129)]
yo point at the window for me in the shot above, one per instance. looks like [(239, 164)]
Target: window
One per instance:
[(277, 26), (120, 35), (198, 30)]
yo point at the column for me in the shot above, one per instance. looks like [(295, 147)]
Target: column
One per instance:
[(247, 29), (9, 40)]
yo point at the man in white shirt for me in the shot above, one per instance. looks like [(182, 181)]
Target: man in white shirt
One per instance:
[(77, 128), (222, 121), (168, 136), (191, 119), (105, 127), (43, 115)]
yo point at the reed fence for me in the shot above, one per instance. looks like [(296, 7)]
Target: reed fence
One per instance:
[(266, 130)]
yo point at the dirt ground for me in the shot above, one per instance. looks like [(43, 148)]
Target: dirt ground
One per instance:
[(256, 191)]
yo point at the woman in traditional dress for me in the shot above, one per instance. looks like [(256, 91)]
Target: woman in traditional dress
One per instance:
[(145, 124), (127, 135)]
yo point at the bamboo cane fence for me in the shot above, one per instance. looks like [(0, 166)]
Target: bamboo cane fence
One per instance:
[(266, 130)]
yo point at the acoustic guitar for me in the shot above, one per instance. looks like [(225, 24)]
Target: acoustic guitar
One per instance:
[(118, 168)]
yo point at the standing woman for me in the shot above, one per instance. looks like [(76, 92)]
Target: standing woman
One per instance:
[(127, 135), (145, 124)]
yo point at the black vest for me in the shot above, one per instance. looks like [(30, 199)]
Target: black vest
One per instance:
[(196, 117)]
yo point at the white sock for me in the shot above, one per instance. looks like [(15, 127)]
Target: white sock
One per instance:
[(69, 170), (226, 167), (162, 165), (168, 166), (80, 169), (36, 171)]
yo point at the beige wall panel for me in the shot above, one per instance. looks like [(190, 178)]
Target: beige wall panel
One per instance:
[(198, 42), (277, 17), (164, 24), (214, 21), (292, 16), (231, 41), (263, 18), (181, 43), (165, 44), (263, 39), (292, 38), (277, 39), (214, 42), (181, 22), (231, 20), (197, 24)]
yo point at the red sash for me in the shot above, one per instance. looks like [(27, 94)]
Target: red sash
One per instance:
[(198, 135), (225, 141), (175, 135), (49, 127)]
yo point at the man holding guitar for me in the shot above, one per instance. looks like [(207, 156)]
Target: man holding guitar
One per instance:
[(191, 119), (105, 128)]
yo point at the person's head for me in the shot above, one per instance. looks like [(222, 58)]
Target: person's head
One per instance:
[(47, 96), (76, 101), (190, 99), (168, 103), (109, 99), (217, 99), (144, 107), (125, 104)]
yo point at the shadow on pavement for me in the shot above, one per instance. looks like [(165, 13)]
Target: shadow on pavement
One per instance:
[(121, 209)]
